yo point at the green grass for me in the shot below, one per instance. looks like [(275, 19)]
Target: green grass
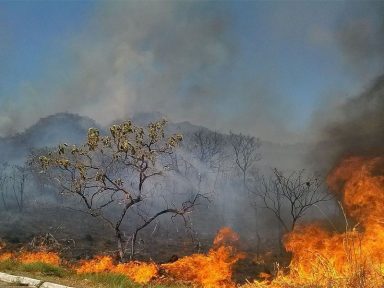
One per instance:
[(62, 275), (45, 269), (9, 265), (112, 280)]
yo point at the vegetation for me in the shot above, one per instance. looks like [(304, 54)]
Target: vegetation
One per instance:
[(119, 178), (66, 276), (111, 175)]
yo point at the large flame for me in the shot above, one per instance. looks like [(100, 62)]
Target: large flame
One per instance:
[(355, 257), (213, 269)]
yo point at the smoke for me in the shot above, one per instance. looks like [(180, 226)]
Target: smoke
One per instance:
[(131, 56), (360, 128), (355, 126), (361, 40), (185, 59)]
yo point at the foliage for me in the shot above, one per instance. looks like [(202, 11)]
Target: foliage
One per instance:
[(44, 268), (108, 173)]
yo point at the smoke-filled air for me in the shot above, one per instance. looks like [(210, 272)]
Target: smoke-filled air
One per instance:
[(181, 144)]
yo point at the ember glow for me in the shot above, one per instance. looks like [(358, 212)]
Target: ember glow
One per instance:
[(354, 257)]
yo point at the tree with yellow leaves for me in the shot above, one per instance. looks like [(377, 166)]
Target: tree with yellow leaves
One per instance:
[(109, 174)]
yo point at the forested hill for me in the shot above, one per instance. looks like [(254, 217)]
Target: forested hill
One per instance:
[(71, 128)]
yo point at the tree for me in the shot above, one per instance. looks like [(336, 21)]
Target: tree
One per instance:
[(3, 184), (208, 146), (246, 153), (18, 178), (115, 174), (295, 194)]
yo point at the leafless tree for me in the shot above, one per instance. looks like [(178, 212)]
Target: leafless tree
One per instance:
[(18, 179), (290, 197), (208, 146), (113, 175), (246, 153), (3, 184)]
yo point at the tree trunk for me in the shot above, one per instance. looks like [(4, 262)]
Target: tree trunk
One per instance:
[(133, 245), (120, 245)]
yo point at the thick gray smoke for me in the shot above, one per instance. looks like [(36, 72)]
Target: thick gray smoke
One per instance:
[(361, 129), (361, 40), (131, 56), (356, 127)]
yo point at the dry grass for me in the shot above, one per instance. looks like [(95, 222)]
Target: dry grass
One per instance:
[(66, 276)]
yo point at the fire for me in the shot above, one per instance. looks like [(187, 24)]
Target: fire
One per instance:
[(357, 255), (213, 269), (6, 256), (140, 272), (96, 265), (41, 256)]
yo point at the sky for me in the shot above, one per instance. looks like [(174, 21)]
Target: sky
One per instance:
[(268, 68)]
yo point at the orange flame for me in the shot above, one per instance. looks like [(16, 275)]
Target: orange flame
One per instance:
[(42, 256), (358, 254), (6, 256), (213, 269), (140, 272)]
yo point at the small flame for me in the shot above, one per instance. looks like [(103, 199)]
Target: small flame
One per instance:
[(51, 258), (140, 272), (6, 256), (213, 269)]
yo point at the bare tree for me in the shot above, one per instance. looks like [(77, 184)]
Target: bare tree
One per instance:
[(3, 184), (246, 153), (18, 179), (208, 146), (290, 197), (114, 175)]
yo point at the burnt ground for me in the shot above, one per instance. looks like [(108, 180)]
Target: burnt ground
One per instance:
[(82, 237)]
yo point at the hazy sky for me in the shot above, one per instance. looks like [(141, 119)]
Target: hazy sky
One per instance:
[(263, 67)]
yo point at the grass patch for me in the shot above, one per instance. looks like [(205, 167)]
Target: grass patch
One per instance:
[(45, 269), (112, 280), (65, 276), (9, 264)]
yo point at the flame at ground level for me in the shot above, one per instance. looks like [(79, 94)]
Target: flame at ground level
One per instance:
[(209, 270), (213, 269), (25, 257), (51, 258), (6, 256), (140, 272), (354, 258)]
